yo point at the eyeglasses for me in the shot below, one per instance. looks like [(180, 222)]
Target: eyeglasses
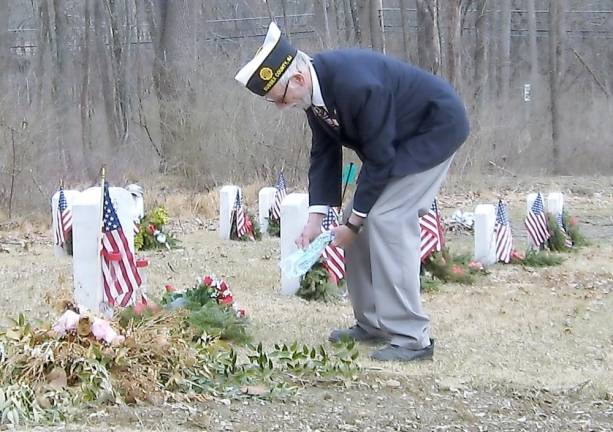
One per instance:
[(282, 99)]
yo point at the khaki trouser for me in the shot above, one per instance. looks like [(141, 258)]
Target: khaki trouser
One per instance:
[(383, 261)]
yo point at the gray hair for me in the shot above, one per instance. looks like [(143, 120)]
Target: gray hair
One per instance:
[(300, 64)]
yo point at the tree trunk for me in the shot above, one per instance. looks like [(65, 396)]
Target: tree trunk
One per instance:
[(169, 77), (374, 21), (428, 42), (336, 10), (355, 16), (492, 47), (480, 71), (118, 40), (452, 41), (404, 18), (533, 46), (557, 30), (62, 87), (348, 20), (103, 71), (4, 48), (505, 48), (86, 145), (286, 23)]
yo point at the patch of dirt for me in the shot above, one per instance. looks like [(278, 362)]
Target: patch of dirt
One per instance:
[(522, 349)]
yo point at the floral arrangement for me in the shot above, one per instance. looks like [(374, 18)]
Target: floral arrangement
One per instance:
[(152, 233), (317, 284), (563, 238), (447, 267), (213, 312), (274, 225)]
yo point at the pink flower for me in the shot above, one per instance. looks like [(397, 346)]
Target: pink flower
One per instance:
[(475, 265), (207, 280), (515, 255), (169, 288), (139, 308), (151, 228), (457, 270)]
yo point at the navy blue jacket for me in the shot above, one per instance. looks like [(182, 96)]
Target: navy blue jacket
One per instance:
[(398, 118)]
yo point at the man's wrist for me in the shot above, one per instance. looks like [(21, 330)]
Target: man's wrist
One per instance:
[(355, 228)]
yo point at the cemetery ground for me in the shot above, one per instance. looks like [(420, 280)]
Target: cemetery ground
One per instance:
[(521, 349)]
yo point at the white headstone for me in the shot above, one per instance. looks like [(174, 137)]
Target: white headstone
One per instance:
[(529, 201), (86, 226), (485, 240), (555, 203), (227, 198), (266, 198), (294, 215), (139, 203), (71, 196)]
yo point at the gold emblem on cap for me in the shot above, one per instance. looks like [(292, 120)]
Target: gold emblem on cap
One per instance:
[(266, 73)]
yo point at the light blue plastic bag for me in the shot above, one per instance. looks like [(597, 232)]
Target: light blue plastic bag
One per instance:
[(301, 261)]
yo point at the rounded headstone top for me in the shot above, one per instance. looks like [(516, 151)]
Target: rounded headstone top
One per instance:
[(135, 189)]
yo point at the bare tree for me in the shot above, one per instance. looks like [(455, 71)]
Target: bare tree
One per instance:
[(4, 46), (428, 42), (505, 54), (404, 18), (103, 73), (374, 20), (557, 30), (480, 68), (451, 31), (355, 16), (60, 90), (533, 45), (169, 74), (119, 42)]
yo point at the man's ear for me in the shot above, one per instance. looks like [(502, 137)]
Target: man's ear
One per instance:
[(299, 79)]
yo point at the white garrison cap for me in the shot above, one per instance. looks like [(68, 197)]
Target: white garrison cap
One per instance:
[(269, 62)]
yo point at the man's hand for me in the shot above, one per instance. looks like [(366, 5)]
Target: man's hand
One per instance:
[(343, 236), (311, 230)]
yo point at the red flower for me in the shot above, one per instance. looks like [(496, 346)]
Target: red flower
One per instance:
[(227, 300), (151, 228), (207, 280), (169, 288)]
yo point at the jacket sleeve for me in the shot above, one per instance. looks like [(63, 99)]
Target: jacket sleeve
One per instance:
[(375, 119), (325, 168)]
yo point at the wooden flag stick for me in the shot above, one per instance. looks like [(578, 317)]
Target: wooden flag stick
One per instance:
[(99, 242)]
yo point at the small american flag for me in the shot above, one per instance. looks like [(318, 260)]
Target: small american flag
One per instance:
[(64, 219), (334, 257), (536, 223), (568, 242), (504, 239), (119, 272), (275, 211), (432, 234), (243, 224)]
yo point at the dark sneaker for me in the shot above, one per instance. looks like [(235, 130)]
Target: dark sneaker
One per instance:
[(355, 333), (402, 354)]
